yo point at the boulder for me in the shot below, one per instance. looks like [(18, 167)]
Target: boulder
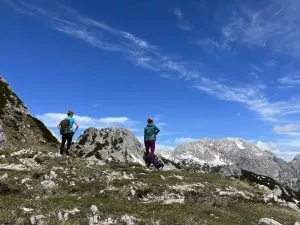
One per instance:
[(109, 144), (267, 221)]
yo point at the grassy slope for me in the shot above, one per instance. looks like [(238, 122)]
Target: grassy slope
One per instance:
[(91, 188)]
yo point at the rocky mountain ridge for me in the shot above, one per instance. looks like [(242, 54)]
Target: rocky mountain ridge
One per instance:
[(18, 129), (236, 154)]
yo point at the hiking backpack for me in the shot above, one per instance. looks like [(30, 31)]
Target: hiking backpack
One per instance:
[(157, 163), (65, 126)]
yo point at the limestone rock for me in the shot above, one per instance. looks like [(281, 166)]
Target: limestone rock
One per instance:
[(38, 220), (110, 144), (267, 221), (48, 184), (2, 136), (94, 209)]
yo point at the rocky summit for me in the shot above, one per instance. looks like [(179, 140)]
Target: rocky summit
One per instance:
[(104, 181), (110, 144)]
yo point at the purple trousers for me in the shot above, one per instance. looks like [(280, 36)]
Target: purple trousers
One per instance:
[(150, 144)]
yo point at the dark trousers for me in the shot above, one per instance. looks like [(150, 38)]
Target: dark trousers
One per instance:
[(66, 137), (150, 144)]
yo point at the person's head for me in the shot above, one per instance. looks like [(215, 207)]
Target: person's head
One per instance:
[(70, 113), (150, 120)]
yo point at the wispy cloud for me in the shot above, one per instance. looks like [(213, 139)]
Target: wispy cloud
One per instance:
[(164, 147), (19, 8), (288, 129), (177, 12), (270, 63), (182, 23), (285, 149), (252, 97), (290, 80), (96, 105), (182, 140), (100, 35), (270, 26), (274, 26), (257, 68), (211, 45)]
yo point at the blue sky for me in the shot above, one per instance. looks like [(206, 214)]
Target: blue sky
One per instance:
[(201, 68)]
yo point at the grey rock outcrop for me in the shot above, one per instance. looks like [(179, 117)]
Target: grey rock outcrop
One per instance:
[(109, 144), (2, 136), (18, 128), (38, 220), (267, 221)]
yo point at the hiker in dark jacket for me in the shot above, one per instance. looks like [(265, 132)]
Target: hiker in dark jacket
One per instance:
[(67, 132), (150, 133)]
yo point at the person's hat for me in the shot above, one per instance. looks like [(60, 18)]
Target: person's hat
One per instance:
[(150, 120)]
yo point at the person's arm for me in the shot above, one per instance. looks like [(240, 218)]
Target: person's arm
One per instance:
[(156, 130), (58, 126), (76, 124)]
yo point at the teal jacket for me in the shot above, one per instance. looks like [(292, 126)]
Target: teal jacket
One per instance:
[(150, 132)]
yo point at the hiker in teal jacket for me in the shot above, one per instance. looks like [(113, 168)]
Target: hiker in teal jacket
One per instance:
[(67, 134), (150, 133)]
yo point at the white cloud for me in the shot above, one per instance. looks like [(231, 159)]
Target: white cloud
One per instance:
[(257, 69), (51, 120), (182, 23), (211, 45), (109, 120), (96, 105), (282, 148), (289, 129), (161, 145), (137, 41), (273, 26), (140, 138), (161, 124), (291, 79), (177, 12), (270, 63), (166, 76), (182, 140), (252, 97), (19, 9), (164, 147), (269, 146)]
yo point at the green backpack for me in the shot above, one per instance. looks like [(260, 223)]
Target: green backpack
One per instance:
[(65, 126)]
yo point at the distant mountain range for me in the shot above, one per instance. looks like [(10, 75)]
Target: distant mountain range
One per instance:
[(236, 154)]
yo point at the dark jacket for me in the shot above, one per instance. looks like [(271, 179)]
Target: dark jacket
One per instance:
[(150, 132)]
